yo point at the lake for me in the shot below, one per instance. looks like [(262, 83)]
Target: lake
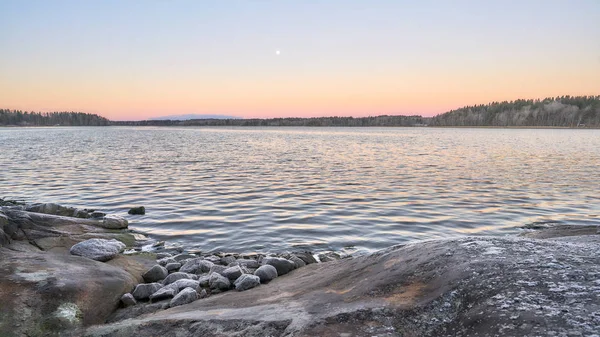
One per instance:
[(353, 190)]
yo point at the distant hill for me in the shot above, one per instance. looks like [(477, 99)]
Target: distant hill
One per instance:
[(560, 111), (191, 116), (24, 118)]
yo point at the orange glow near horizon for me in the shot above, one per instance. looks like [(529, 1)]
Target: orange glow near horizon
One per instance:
[(390, 58)]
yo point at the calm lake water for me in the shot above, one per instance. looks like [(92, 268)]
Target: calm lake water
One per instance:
[(275, 189)]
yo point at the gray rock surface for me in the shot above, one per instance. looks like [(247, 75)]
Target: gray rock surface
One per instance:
[(184, 257), (114, 222), (162, 255), (218, 281), (155, 274), (217, 269), (171, 267), (98, 249), (178, 276), (128, 300), (203, 280), (472, 286), (246, 282), (232, 273), (187, 295), (282, 265), (143, 291), (266, 273), (168, 291)]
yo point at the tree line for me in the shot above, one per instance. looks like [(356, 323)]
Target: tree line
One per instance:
[(312, 121), (24, 118), (560, 111)]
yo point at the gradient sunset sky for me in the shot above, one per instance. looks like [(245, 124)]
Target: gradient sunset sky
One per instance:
[(129, 60)]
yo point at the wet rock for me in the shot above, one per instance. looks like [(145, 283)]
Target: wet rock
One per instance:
[(218, 281), (329, 256), (307, 257), (282, 265), (143, 291), (167, 291), (232, 273), (178, 276), (128, 300), (266, 273), (141, 210), (246, 282), (226, 260), (166, 260), (297, 261), (171, 267), (186, 283), (114, 222), (98, 249), (197, 265), (155, 274), (187, 295), (248, 263), (97, 215)]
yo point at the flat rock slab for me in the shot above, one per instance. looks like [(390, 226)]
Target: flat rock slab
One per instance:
[(98, 249), (473, 286)]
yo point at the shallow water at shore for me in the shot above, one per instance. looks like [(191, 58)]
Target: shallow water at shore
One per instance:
[(274, 189)]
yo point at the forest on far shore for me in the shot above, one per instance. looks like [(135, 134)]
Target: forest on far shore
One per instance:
[(560, 111), (25, 118)]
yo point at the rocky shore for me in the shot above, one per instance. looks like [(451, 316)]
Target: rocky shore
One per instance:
[(70, 272)]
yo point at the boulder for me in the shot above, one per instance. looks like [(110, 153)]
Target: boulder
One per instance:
[(227, 260), (282, 265), (143, 291), (173, 266), (197, 265), (297, 261), (178, 276), (128, 300), (248, 263), (246, 282), (141, 210), (218, 281), (165, 261), (114, 222), (266, 273), (98, 249), (203, 280), (232, 273), (329, 256), (164, 292), (217, 269), (97, 215), (187, 295), (155, 274), (186, 283), (307, 257), (203, 294)]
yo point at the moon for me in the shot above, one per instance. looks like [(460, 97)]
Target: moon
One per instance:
[(277, 52)]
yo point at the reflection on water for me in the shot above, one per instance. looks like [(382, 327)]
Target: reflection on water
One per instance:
[(260, 189)]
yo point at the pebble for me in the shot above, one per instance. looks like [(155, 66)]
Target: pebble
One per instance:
[(246, 282), (155, 274), (173, 266), (218, 281), (178, 276), (128, 300), (143, 290), (282, 265)]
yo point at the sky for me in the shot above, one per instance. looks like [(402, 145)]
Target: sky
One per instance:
[(132, 60)]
